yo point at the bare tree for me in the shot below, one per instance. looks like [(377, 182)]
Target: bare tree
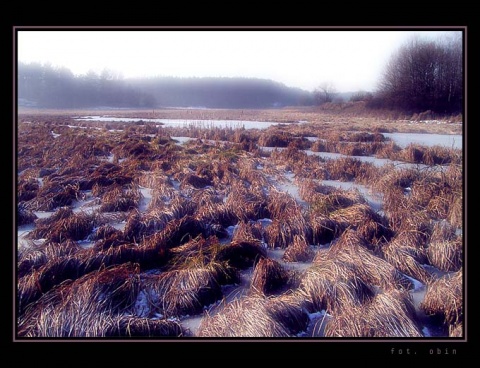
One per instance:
[(425, 75), (324, 93)]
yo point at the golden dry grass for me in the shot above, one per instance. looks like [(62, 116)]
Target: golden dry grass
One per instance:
[(444, 298), (245, 317)]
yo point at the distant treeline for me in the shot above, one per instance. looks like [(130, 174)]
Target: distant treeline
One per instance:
[(46, 86), (423, 75)]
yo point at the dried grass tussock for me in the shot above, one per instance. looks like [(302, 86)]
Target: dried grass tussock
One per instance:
[(407, 258), (389, 314), (333, 286), (76, 308), (444, 298), (245, 317), (182, 292), (353, 251), (269, 277), (298, 251)]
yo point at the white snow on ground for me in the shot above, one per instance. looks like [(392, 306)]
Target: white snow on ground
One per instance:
[(76, 127), (316, 326), (447, 140), (206, 124), (192, 323), (290, 187), (146, 198), (85, 244), (426, 332), (43, 214), (417, 285), (230, 230), (175, 183), (182, 140), (119, 225), (374, 200), (87, 206), (141, 307), (55, 135), (378, 162), (110, 158), (22, 232)]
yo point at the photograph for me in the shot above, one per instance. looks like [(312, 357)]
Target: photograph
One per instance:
[(241, 184)]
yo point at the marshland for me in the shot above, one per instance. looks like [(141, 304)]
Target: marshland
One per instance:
[(212, 223)]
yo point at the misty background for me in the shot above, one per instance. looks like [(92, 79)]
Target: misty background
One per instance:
[(414, 73)]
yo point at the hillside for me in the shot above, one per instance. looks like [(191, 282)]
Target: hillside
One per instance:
[(49, 87)]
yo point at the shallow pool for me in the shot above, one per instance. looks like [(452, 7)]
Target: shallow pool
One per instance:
[(206, 124), (447, 140)]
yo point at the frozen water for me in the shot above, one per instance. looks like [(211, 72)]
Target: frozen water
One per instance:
[(447, 140), (207, 124), (374, 200)]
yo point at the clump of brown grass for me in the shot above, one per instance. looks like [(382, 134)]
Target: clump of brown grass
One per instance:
[(113, 239), (269, 139), (347, 323), (142, 224), (24, 215), (324, 204), (352, 250), (281, 233), (130, 326), (153, 253), (333, 286), (347, 169), (392, 314), (245, 317), (34, 257), (281, 205), (456, 330), (202, 253), (27, 188), (406, 259), (117, 198), (103, 231), (248, 232), (242, 254), (455, 211), (215, 213), (247, 170), (176, 232), (182, 292), (363, 218), (389, 314), (324, 229), (65, 225), (53, 195), (444, 298), (195, 181), (246, 204), (290, 309), (269, 277), (446, 255), (74, 307), (298, 251)]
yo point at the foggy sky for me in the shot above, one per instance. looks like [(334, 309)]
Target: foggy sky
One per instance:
[(351, 60)]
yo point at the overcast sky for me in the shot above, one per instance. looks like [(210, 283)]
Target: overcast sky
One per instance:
[(351, 60)]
